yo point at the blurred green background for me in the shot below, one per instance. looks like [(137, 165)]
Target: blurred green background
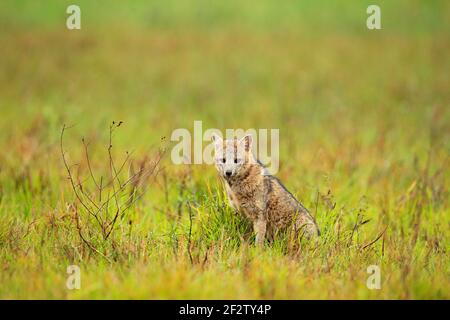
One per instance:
[(363, 113)]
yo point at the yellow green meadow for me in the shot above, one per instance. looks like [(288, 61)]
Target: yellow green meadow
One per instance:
[(364, 123)]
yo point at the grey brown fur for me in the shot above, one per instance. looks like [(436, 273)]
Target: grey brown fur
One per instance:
[(261, 197)]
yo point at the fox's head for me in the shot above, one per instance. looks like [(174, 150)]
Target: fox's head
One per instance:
[(232, 156)]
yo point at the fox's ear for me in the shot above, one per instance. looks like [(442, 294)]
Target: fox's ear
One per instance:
[(247, 142), (216, 138)]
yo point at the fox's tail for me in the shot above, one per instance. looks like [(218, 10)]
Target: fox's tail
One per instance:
[(307, 226)]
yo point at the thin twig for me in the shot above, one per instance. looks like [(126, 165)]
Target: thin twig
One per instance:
[(190, 234), (376, 239)]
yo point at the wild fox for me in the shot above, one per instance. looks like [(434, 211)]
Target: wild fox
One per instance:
[(261, 197)]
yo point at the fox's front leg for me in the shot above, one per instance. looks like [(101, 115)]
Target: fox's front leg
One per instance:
[(231, 199), (260, 226)]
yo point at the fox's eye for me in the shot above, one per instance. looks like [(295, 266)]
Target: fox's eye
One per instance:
[(224, 160), (235, 160)]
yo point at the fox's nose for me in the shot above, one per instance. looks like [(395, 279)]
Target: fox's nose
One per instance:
[(228, 173)]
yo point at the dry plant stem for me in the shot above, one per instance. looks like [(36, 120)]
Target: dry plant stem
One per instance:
[(80, 233), (190, 234), (376, 239), (94, 203), (72, 183)]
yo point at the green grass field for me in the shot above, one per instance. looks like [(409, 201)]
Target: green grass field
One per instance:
[(364, 119)]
